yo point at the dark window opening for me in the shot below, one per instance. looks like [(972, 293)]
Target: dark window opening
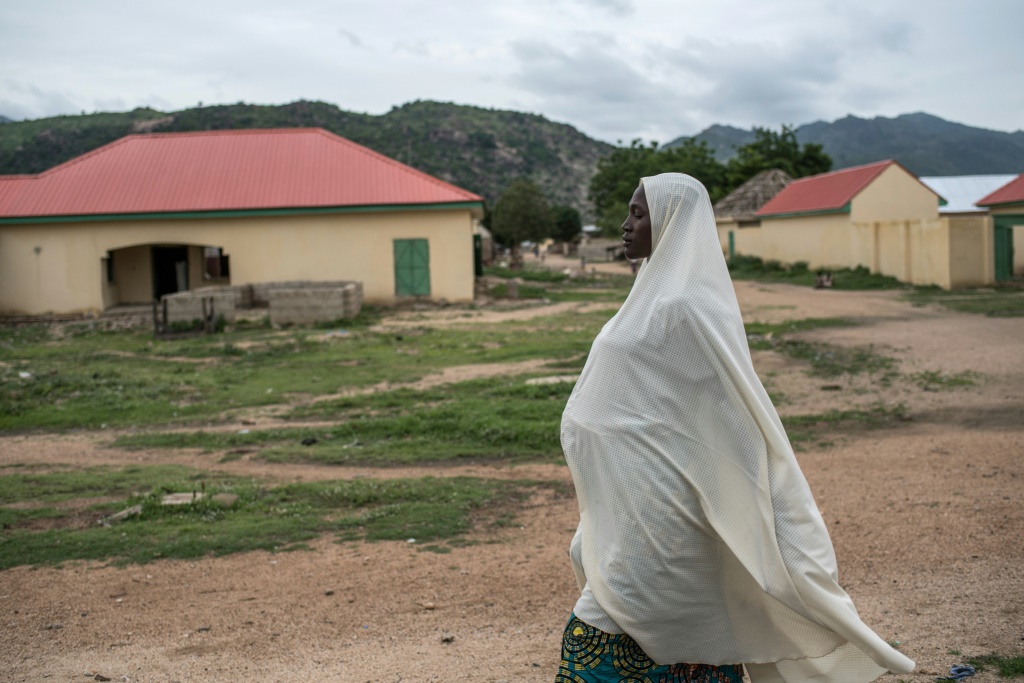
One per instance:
[(216, 263), (109, 263)]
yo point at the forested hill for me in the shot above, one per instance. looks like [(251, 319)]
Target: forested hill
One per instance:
[(925, 144), (481, 150)]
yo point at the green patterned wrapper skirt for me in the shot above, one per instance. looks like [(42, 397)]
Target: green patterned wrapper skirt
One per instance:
[(590, 655)]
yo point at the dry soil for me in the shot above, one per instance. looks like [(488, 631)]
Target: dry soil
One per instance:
[(926, 517)]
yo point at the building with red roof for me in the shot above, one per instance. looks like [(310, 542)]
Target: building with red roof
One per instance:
[(879, 216), (152, 214), (1006, 205)]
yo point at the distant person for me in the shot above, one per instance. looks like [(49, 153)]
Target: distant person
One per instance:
[(583, 263), (700, 548)]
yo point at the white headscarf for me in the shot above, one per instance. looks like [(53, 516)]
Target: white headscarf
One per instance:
[(698, 533)]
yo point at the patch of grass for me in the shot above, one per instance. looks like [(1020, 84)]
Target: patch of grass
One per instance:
[(489, 418), (1007, 667), (761, 336), (281, 518), (368, 315), (17, 517), (1005, 301), (127, 378), (829, 360), (859, 278), (526, 274), (53, 487), (525, 292), (825, 360), (14, 337), (806, 429), (936, 380)]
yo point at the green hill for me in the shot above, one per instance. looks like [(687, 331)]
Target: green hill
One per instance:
[(926, 144), (481, 150)]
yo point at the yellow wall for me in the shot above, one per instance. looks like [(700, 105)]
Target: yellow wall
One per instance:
[(893, 228), (133, 273), (894, 195), (746, 237), (971, 251), (66, 275), (724, 227), (823, 241)]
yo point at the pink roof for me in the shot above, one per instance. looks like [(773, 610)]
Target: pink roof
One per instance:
[(824, 192), (221, 171), (1010, 193)]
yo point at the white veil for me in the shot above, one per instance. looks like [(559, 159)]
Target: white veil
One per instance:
[(698, 533)]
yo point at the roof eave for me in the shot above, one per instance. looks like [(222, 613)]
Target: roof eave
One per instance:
[(1002, 205), (476, 208), (800, 214)]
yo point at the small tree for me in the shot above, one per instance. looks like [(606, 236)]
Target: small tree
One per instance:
[(567, 223), (521, 213), (619, 173), (777, 150)]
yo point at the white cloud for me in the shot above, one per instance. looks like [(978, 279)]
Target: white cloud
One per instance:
[(613, 68)]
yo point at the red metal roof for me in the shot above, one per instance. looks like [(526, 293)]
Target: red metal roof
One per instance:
[(1010, 193), (221, 171), (824, 192)]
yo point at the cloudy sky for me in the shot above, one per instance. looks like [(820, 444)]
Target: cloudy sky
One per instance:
[(615, 69)]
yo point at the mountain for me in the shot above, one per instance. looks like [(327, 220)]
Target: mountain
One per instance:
[(925, 144), (4, 119), (481, 150)]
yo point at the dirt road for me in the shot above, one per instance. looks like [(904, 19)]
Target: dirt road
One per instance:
[(926, 516)]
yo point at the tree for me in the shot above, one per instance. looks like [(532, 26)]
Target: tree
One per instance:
[(619, 173), (781, 150), (567, 223), (521, 213)]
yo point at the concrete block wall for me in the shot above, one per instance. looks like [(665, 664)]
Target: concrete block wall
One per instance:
[(261, 290), (184, 307), (242, 293), (297, 303), (313, 304)]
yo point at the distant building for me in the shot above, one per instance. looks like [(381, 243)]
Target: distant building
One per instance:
[(153, 214), (879, 216), (962, 192), (1006, 205), (737, 211)]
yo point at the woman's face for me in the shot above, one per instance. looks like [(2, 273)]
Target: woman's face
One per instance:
[(636, 229)]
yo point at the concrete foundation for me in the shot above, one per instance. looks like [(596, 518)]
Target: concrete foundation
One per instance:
[(314, 304), (295, 303), (185, 307), (261, 290)]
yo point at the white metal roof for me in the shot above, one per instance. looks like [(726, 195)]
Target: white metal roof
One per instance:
[(961, 191)]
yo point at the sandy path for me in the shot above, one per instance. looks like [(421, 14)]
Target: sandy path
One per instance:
[(926, 518)]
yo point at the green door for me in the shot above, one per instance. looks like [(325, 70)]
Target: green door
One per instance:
[(412, 268), (1004, 251), (732, 245)]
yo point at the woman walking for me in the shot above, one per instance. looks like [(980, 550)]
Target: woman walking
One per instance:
[(700, 547)]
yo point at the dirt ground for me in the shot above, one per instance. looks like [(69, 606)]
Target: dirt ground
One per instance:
[(927, 518)]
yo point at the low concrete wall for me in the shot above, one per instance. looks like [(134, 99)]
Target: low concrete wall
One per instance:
[(314, 303), (261, 290), (301, 302), (184, 307)]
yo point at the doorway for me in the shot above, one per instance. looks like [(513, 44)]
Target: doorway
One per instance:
[(170, 270), (412, 267)]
